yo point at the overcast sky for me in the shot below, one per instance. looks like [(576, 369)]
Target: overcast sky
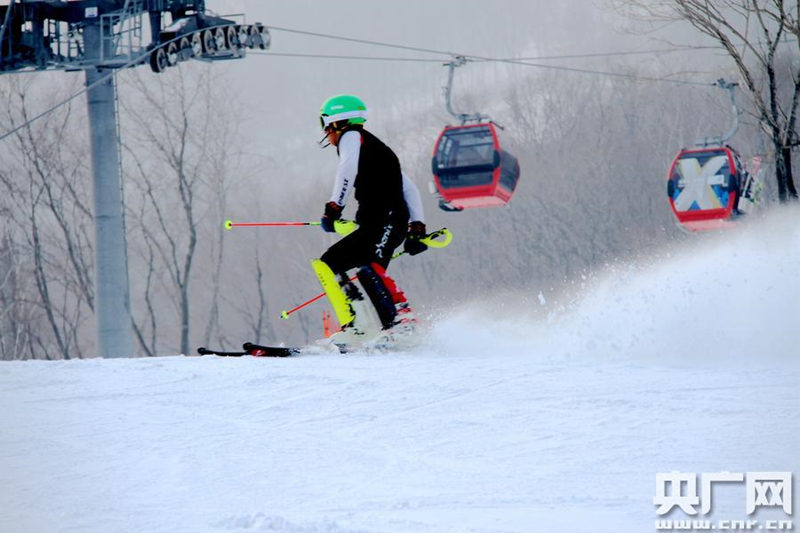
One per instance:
[(477, 27), (283, 94)]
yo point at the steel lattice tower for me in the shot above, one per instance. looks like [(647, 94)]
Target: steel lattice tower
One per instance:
[(99, 36)]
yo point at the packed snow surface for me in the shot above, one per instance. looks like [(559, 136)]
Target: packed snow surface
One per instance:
[(525, 418)]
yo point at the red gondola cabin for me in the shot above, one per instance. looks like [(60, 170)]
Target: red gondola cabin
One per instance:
[(471, 169), (703, 187)]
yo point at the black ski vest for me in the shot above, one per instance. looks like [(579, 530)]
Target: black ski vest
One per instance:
[(379, 183)]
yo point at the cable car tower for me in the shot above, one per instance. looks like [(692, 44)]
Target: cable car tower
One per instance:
[(470, 167), (98, 37)]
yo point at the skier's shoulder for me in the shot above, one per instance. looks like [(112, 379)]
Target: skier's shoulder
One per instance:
[(369, 138), (350, 140), (352, 133)]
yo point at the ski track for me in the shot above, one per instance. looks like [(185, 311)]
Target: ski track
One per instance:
[(549, 422)]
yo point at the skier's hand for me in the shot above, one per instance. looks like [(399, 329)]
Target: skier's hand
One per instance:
[(413, 244), (333, 212)]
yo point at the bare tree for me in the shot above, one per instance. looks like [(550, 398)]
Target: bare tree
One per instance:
[(48, 243), (15, 319), (178, 158), (751, 32)]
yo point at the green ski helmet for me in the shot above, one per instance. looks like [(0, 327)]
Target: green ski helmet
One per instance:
[(342, 107)]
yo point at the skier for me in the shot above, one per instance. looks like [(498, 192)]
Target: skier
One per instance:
[(389, 213)]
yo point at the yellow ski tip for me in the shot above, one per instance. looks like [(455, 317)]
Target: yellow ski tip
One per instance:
[(228, 224)]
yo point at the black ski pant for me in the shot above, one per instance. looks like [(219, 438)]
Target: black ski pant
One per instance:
[(366, 244)]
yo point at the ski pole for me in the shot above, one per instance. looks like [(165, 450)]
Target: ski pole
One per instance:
[(285, 314), (342, 227), (229, 224), (432, 240)]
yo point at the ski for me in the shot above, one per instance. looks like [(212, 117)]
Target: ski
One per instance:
[(254, 350), (207, 351), (258, 350)]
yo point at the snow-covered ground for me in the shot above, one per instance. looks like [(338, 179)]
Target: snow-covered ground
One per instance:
[(558, 423)]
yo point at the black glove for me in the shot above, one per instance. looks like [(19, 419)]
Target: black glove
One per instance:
[(333, 212), (416, 232)]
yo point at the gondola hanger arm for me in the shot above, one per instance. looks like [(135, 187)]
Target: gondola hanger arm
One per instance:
[(458, 61), (721, 140)]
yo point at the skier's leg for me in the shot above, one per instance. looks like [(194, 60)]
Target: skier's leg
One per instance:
[(380, 288), (405, 315), (369, 248), (331, 284), (389, 301), (331, 269), (378, 293), (385, 240), (349, 252)]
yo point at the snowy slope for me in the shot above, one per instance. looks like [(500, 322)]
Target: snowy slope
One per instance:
[(536, 423)]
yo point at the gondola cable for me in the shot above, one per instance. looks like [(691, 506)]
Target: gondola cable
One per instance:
[(512, 61)]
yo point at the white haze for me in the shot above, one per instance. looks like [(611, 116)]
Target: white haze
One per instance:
[(556, 423)]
